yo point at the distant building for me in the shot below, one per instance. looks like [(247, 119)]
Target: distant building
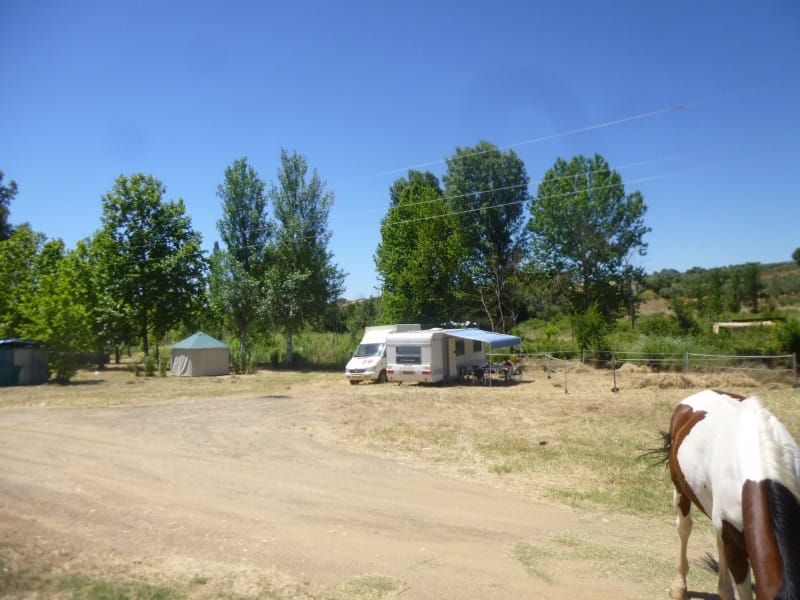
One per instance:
[(22, 362), (742, 324)]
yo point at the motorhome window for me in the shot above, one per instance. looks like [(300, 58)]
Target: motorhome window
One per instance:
[(409, 355), (365, 350), (459, 347), (477, 345)]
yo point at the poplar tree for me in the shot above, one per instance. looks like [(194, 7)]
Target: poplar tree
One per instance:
[(301, 281), (419, 259), (237, 273)]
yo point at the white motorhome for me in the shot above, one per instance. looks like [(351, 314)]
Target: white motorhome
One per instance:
[(368, 362), (431, 356)]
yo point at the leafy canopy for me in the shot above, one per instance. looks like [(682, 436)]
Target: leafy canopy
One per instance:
[(583, 224), (420, 255)]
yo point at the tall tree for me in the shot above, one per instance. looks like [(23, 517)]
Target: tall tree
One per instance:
[(302, 280), (58, 315), (752, 285), (585, 226), (487, 190), (92, 292), (153, 262), (17, 272), (420, 257), (235, 296), (7, 194), (246, 230)]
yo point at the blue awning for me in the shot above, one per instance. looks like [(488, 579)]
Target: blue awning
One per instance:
[(495, 340)]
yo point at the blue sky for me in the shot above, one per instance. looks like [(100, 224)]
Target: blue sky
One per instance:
[(694, 103)]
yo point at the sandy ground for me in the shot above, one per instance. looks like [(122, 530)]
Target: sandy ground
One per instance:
[(259, 497)]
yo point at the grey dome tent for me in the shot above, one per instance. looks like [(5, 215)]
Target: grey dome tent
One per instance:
[(200, 355)]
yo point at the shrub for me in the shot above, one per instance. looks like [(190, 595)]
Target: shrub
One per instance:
[(787, 336), (149, 366)]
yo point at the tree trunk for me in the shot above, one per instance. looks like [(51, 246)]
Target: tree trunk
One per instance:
[(289, 350), (145, 342)]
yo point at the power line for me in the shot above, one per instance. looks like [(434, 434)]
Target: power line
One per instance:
[(603, 125)]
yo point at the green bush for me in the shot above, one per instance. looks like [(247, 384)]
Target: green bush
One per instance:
[(149, 366), (787, 336), (662, 324)]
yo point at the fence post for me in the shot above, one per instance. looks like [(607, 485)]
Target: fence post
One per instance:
[(794, 364), (686, 362), (614, 371), (566, 391)]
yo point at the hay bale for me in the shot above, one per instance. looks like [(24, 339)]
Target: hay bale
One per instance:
[(633, 368)]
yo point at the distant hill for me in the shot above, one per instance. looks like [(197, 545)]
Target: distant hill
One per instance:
[(777, 286)]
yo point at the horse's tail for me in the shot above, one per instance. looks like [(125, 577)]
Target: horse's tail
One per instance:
[(660, 454), (784, 511), (777, 473)]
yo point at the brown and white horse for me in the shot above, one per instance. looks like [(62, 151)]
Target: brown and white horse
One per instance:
[(733, 459)]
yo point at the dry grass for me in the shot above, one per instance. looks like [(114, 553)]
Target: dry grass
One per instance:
[(581, 445), (119, 387)]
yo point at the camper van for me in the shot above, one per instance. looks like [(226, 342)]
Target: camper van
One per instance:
[(431, 355), (369, 360)]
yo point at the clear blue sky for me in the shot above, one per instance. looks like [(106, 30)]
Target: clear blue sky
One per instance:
[(694, 103)]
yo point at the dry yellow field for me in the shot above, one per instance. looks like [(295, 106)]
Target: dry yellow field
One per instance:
[(298, 485)]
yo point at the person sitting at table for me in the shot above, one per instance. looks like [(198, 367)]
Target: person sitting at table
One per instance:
[(508, 367)]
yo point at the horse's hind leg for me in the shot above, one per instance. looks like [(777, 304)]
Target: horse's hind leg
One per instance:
[(683, 523), (731, 556), (724, 583)]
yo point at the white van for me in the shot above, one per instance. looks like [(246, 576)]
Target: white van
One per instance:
[(369, 360), (431, 356)]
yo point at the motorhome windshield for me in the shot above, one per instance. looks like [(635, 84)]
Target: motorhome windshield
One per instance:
[(365, 350)]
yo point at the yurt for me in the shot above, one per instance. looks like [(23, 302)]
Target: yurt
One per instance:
[(200, 355)]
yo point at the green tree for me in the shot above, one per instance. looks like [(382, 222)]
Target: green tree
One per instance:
[(93, 295), (752, 285), (151, 257), (7, 194), (419, 259), (17, 260), (246, 230), (301, 280), (488, 190), (57, 314), (796, 256), (585, 226), (235, 296)]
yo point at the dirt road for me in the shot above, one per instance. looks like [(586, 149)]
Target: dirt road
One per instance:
[(241, 496)]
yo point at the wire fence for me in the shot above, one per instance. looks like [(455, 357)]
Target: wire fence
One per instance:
[(619, 364)]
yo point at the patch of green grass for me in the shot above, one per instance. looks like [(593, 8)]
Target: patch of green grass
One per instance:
[(17, 581), (619, 561), (408, 437), (515, 454), (79, 587), (532, 558), (371, 587), (620, 480)]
